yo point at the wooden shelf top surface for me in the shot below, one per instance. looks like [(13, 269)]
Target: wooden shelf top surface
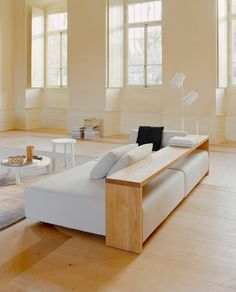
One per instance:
[(143, 171)]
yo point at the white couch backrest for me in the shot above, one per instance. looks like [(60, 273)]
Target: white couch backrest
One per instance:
[(167, 135)]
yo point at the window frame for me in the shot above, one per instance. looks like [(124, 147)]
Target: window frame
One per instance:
[(145, 25), (59, 32), (31, 49), (230, 39)]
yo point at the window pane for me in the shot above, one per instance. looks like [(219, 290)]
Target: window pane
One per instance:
[(222, 43), (64, 50), (53, 60), (116, 43), (136, 46), (37, 48), (233, 6), (234, 73), (64, 77), (64, 59), (234, 40), (57, 22), (154, 45), (136, 75), (154, 74), (37, 65), (53, 77), (144, 12)]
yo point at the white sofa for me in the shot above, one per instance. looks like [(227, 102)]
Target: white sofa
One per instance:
[(71, 199)]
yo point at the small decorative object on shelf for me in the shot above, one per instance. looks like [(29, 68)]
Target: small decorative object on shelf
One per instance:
[(37, 157), (29, 151)]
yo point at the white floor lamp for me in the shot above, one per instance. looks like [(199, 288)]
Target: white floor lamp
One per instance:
[(187, 101), (178, 82)]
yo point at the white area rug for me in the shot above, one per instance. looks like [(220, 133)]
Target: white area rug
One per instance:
[(12, 195)]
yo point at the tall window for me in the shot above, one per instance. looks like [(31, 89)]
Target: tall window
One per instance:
[(223, 43), (56, 65), (233, 41), (37, 48), (144, 43)]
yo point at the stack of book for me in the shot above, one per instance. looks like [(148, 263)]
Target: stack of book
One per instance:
[(91, 133), (77, 132), (91, 130)]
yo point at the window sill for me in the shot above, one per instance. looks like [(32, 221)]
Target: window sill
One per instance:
[(49, 88), (231, 89), (55, 88), (144, 89)]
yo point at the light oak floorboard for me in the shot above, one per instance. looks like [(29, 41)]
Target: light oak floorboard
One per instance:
[(193, 250)]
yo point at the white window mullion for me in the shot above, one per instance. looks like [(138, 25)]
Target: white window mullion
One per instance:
[(60, 59), (145, 56)]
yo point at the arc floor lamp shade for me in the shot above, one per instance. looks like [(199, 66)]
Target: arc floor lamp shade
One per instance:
[(178, 80), (190, 98), (178, 83)]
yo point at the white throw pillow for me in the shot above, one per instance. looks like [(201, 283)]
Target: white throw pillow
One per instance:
[(131, 157), (183, 141), (104, 164)]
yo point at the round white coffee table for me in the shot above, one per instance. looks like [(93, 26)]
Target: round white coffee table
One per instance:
[(45, 162), (67, 142)]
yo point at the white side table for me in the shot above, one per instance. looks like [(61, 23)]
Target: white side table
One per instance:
[(45, 162), (68, 143)]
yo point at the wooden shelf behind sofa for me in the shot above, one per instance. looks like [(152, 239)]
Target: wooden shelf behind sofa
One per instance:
[(124, 191)]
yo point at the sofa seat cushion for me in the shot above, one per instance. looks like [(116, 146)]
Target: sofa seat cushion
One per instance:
[(160, 197), (69, 199), (194, 167)]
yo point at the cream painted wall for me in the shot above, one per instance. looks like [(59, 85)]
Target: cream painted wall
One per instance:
[(189, 46), (230, 112), (88, 95), (6, 65), (20, 63), (36, 108), (87, 54), (54, 108), (87, 59)]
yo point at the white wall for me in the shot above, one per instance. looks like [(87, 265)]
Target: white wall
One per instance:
[(87, 59), (54, 108), (230, 114), (189, 46), (6, 65), (46, 108), (35, 108), (20, 62)]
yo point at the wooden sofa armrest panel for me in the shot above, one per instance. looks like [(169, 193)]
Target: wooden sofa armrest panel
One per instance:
[(124, 192)]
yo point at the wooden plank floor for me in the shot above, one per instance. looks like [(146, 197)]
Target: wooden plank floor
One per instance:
[(193, 250)]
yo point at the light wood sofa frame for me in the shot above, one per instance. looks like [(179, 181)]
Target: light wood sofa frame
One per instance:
[(124, 193)]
